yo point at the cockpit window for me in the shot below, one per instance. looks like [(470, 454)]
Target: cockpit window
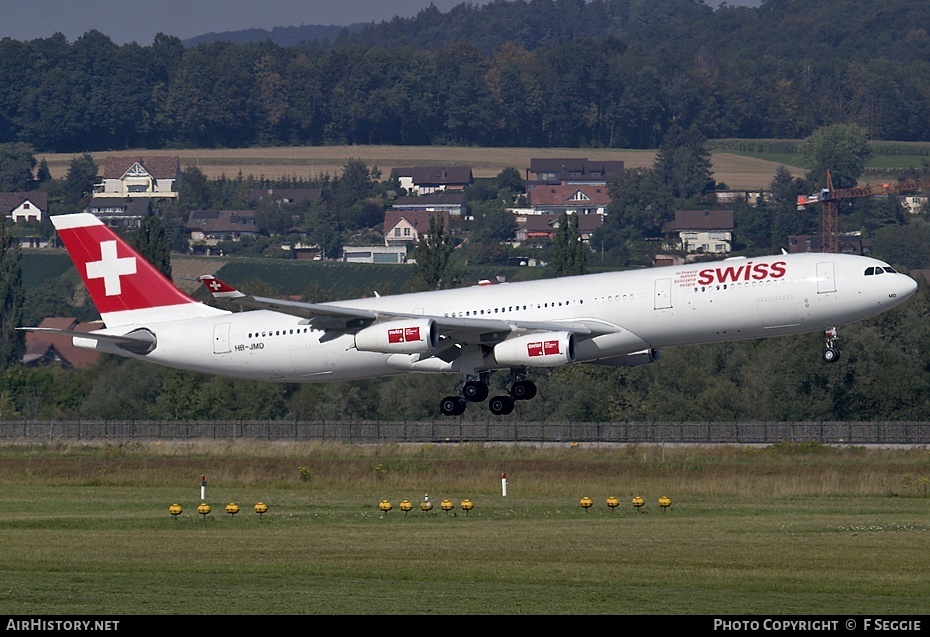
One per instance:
[(880, 270)]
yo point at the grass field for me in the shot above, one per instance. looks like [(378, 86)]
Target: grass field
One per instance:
[(742, 170), (737, 171), (786, 529)]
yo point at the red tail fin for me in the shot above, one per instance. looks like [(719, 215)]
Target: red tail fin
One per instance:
[(117, 277)]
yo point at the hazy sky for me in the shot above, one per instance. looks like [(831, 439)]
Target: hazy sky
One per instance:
[(139, 20)]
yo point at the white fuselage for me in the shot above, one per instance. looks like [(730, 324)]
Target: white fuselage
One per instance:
[(628, 312)]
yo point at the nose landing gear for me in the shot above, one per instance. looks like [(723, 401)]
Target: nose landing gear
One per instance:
[(831, 354)]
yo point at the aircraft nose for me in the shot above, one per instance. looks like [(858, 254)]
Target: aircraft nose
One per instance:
[(908, 286)]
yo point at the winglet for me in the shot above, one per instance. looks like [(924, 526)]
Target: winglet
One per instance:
[(218, 289)]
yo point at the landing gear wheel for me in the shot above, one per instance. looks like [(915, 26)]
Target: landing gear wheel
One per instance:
[(501, 405), (831, 354), (475, 391), (523, 390), (452, 406)]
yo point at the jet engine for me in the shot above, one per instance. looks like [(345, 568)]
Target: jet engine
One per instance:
[(548, 349), (414, 336)]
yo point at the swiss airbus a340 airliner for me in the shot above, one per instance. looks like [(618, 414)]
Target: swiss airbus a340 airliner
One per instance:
[(617, 318)]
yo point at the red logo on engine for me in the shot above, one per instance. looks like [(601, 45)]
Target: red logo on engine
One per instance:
[(403, 334), (542, 348)]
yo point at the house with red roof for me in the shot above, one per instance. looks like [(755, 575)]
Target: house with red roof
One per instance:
[(405, 226), (44, 348), (136, 176), (532, 228), (572, 199)]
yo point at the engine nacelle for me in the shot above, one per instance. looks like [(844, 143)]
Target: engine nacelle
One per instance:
[(548, 349), (413, 336)]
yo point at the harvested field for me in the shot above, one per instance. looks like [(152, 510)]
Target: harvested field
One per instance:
[(311, 161)]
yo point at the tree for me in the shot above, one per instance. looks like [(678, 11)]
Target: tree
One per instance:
[(16, 165), (151, 242), (12, 341), (569, 253), (907, 246), (193, 190), (639, 207), (43, 175), (843, 149), (81, 177), (433, 254), (510, 184), (683, 163), (493, 226), (786, 219)]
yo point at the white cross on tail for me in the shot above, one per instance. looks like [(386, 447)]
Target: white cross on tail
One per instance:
[(110, 268)]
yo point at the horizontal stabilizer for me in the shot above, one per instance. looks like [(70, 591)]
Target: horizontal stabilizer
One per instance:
[(139, 341)]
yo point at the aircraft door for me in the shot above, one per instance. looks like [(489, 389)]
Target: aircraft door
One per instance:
[(221, 338), (826, 278), (663, 294)]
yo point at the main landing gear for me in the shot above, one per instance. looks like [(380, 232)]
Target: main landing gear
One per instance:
[(474, 389), (830, 353)]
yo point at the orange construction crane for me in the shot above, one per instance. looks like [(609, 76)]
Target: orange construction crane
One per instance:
[(828, 198)]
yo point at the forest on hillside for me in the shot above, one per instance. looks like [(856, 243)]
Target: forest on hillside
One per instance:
[(541, 73)]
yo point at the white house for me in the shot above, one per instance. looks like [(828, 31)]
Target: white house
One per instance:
[(705, 231), (425, 180), (137, 177), (23, 207)]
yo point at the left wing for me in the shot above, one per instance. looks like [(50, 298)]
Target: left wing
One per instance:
[(333, 317)]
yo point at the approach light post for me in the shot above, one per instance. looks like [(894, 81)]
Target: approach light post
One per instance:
[(586, 502), (232, 509), (175, 510), (405, 506), (204, 510), (639, 503), (467, 506), (446, 505), (665, 502), (385, 506), (613, 503), (261, 508)]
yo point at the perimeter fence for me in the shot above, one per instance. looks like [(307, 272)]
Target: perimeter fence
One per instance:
[(492, 431)]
